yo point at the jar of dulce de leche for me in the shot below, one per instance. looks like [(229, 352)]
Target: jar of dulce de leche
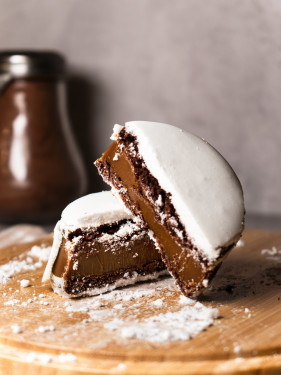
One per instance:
[(41, 170)]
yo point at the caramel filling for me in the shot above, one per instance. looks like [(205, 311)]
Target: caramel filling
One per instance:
[(91, 258)]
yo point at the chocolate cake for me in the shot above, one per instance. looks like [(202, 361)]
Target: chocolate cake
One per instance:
[(183, 191), (98, 247)]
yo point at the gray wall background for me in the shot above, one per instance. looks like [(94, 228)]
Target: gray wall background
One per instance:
[(212, 67)]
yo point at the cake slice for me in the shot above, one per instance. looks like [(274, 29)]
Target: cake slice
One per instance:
[(97, 247), (183, 191)]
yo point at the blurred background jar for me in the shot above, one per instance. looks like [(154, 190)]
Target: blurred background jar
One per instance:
[(41, 170)]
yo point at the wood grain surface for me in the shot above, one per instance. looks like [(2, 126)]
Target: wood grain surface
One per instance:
[(246, 339)]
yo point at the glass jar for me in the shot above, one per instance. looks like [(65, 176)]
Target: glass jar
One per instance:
[(41, 170)]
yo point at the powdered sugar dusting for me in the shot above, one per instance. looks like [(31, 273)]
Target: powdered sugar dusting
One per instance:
[(28, 261), (16, 329), (171, 326), (272, 254), (48, 358), (44, 329), (24, 283), (122, 311), (125, 230)]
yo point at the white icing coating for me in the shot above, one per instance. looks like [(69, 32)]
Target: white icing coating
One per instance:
[(54, 252), (205, 191), (92, 210)]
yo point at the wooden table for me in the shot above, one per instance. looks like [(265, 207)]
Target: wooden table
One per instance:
[(246, 339)]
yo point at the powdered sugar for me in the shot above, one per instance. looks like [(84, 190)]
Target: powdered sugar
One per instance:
[(171, 326), (28, 261), (47, 358), (24, 283), (158, 302), (121, 367), (121, 311), (125, 230), (12, 302), (43, 358), (16, 329), (273, 254), (44, 329)]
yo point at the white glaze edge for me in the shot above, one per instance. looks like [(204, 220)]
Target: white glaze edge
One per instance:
[(54, 252), (58, 284), (93, 210)]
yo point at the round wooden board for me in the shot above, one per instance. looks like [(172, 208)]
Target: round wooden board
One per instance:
[(246, 339)]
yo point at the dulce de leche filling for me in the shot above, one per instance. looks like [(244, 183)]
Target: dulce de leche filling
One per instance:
[(95, 258), (188, 270)]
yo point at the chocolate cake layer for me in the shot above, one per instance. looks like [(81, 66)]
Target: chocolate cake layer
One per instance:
[(123, 168)]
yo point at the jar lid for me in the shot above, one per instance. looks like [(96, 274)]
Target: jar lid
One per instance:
[(30, 63)]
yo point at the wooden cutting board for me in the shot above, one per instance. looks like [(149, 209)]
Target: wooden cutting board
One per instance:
[(246, 339)]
